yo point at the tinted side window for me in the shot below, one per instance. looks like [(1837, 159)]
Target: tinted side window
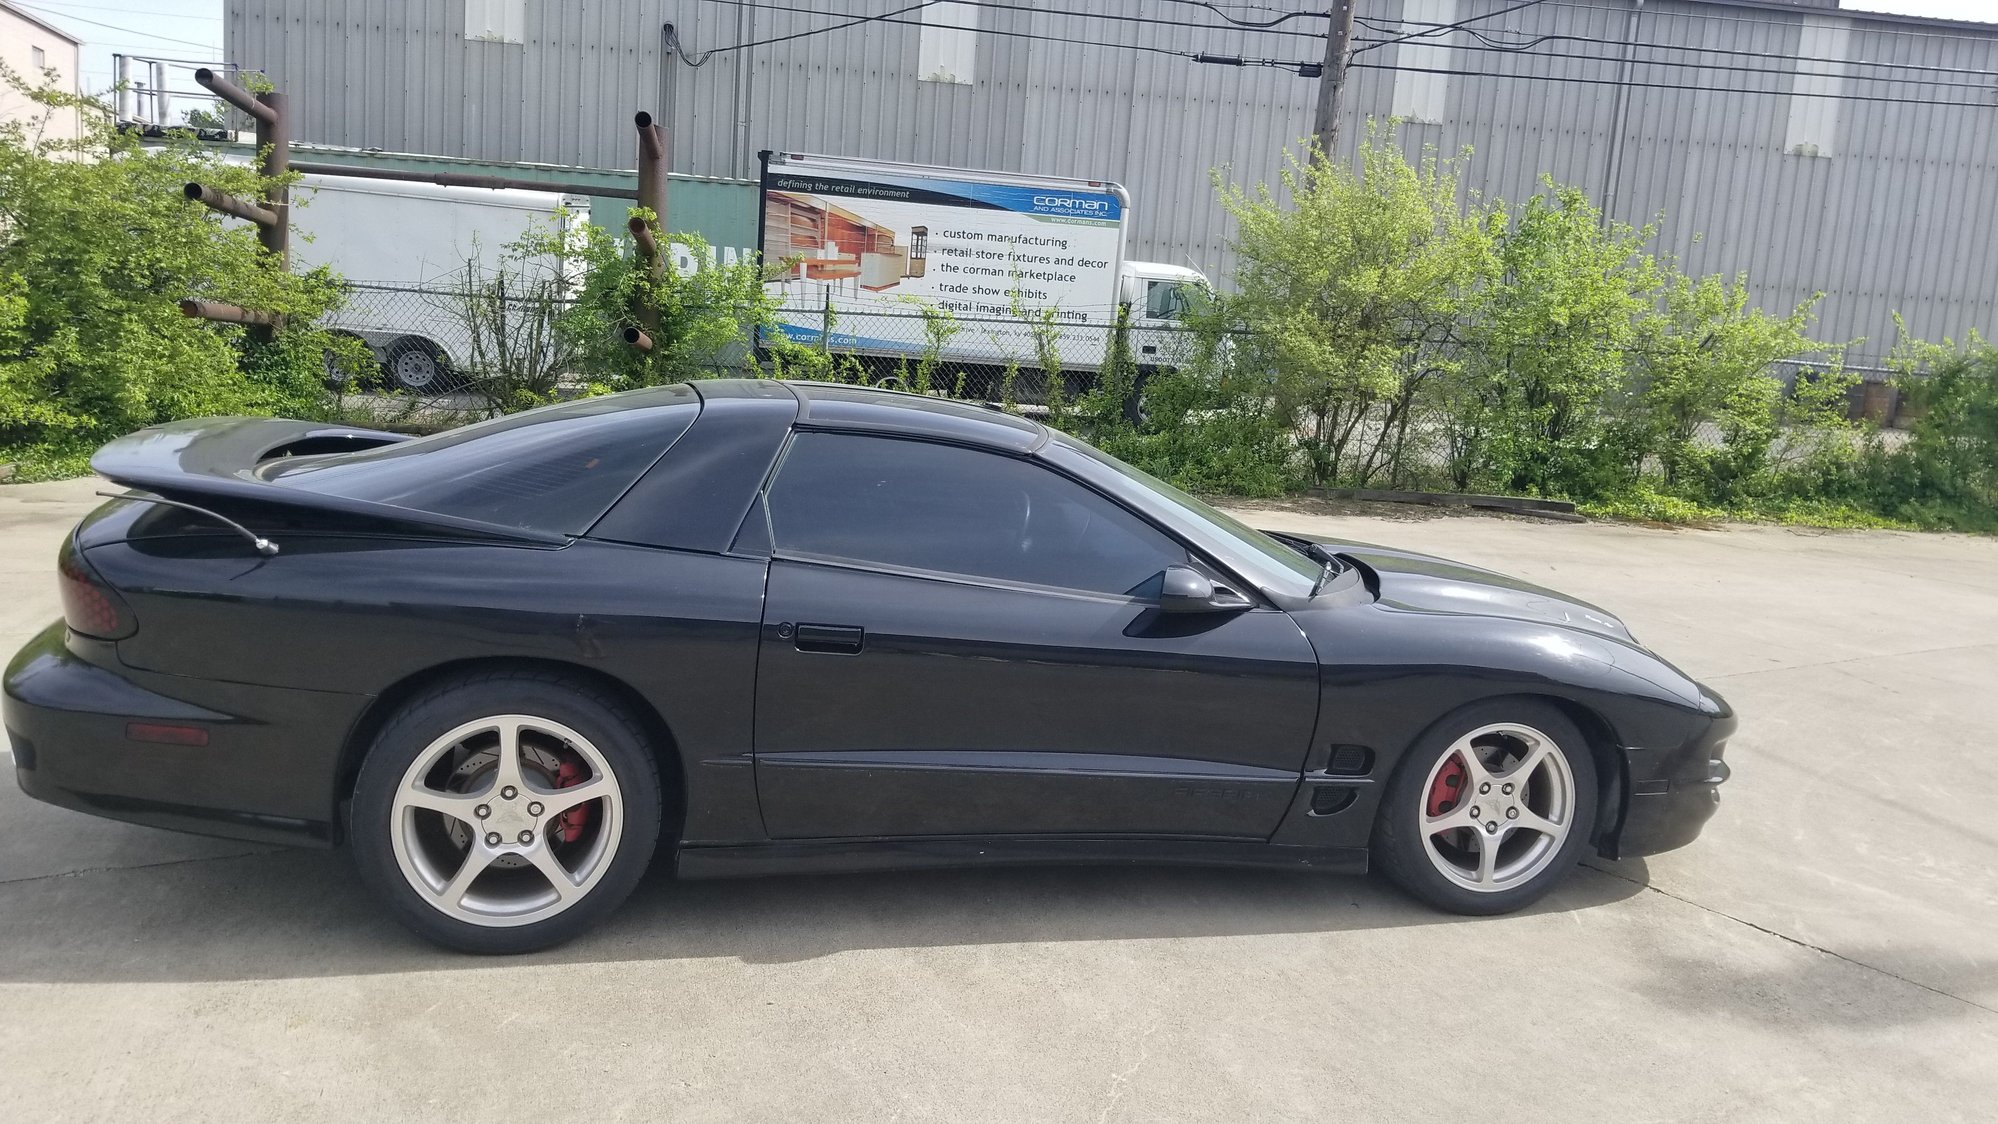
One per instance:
[(960, 511), (553, 469)]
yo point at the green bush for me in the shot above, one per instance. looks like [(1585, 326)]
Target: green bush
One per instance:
[(1200, 434), (1946, 473), (1346, 298), (701, 321), (1704, 358), (99, 246), (1385, 331), (1541, 348)]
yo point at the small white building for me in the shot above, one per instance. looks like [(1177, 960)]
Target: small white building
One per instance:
[(31, 48)]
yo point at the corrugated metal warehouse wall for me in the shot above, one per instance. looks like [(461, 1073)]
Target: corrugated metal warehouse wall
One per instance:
[(1815, 150)]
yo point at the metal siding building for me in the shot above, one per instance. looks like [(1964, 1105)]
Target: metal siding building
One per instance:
[(1782, 140)]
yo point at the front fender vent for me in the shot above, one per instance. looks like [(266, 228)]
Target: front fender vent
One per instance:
[(1350, 761), (1331, 799)]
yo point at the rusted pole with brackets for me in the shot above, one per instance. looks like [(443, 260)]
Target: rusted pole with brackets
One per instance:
[(271, 214), (652, 165), (222, 312)]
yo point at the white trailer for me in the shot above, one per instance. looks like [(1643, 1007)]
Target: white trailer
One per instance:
[(405, 247), (878, 242)]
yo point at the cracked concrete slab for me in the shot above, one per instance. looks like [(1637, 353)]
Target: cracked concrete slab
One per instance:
[(1822, 953)]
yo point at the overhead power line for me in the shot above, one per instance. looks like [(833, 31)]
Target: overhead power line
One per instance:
[(1305, 69), (1442, 29), (706, 55), (1216, 9), (143, 35), (1774, 72), (1312, 69), (125, 10), (1696, 87), (1240, 7), (1098, 17), (1955, 33), (1732, 52)]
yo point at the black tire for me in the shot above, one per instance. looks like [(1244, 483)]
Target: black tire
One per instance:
[(342, 380), (417, 366), (1399, 850), (595, 714)]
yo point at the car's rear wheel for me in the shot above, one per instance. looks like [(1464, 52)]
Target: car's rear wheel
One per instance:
[(1490, 809), (506, 812)]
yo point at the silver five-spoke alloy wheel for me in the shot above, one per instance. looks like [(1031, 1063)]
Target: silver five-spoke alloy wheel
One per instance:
[(1497, 807), (506, 820)]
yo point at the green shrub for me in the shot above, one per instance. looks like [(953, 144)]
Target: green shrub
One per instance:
[(1346, 297), (1542, 350), (1946, 474), (1384, 331), (100, 246), (701, 321), (1201, 435), (1705, 358)]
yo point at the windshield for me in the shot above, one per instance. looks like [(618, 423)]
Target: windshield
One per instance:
[(1266, 561)]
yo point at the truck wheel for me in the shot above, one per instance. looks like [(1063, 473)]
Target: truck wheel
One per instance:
[(347, 379), (414, 365)]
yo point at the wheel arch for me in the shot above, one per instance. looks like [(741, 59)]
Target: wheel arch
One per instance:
[(361, 736), (1612, 775), (421, 342)]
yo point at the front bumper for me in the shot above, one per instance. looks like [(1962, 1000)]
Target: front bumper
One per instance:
[(1672, 794), (268, 772)]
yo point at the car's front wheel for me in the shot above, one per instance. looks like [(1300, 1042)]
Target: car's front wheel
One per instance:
[(1490, 809), (506, 812)]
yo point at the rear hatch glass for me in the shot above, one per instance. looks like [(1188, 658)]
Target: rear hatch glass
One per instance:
[(556, 469)]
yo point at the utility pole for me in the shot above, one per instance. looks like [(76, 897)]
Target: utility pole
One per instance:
[(1332, 79)]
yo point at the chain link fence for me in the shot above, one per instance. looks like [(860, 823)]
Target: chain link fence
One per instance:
[(441, 338), (436, 347)]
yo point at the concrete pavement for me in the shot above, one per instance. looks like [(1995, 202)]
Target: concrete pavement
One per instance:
[(1825, 952)]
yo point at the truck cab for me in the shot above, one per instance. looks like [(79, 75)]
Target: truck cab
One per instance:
[(1162, 298)]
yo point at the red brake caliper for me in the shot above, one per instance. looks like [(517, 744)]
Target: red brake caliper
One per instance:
[(573, 821), (1448, 786)]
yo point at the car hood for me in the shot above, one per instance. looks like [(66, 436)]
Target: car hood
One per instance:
[(1425, 584)]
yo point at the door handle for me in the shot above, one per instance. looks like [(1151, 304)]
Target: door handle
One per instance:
[(843, 639)]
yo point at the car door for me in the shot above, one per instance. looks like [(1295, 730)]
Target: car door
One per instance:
[(962, 642)]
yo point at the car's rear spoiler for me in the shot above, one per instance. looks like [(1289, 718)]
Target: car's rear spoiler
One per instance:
[(210, 459)]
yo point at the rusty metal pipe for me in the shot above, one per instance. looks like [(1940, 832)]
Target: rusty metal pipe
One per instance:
[(460, 179), (637, 339), (274, 149), (651, 144), (229, 205), (641, 232), (221, 312), (235, 95), (652, 168)]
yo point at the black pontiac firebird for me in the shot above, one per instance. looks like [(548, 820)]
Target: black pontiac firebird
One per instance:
[(799, 627)]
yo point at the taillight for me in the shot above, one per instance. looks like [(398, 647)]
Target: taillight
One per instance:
[(89, 606)]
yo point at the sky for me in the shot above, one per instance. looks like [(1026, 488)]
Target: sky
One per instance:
[(172, 29), (192, 29)]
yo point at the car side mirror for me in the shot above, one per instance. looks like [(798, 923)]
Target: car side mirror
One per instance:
[(1187, 590)]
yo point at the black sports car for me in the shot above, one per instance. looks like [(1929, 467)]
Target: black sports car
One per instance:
[(800, 627)]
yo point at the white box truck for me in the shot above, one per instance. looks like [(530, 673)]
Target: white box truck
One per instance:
[(405, 247), (877, 242)]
